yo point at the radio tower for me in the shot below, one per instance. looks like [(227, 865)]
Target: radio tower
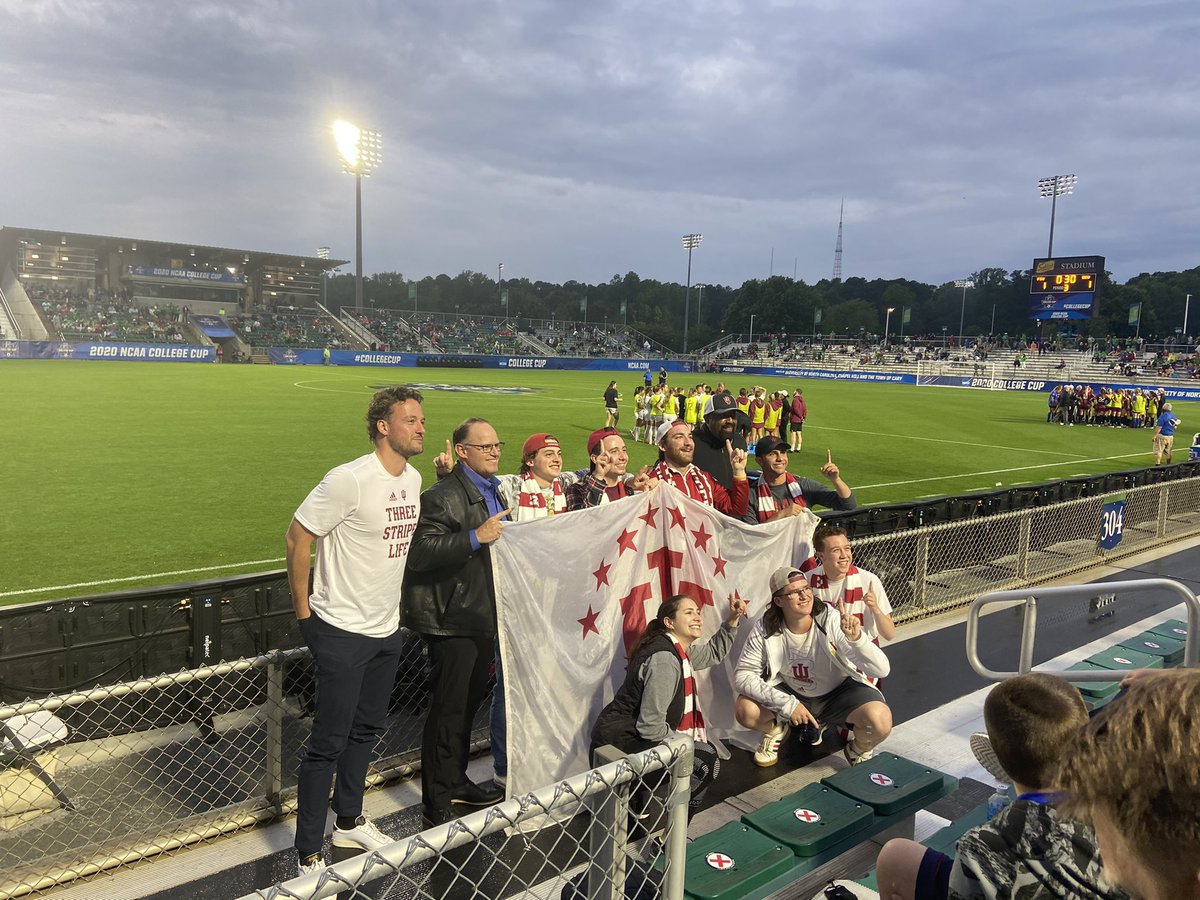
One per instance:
[(837, 251)]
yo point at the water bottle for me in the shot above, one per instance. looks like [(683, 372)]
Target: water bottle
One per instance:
[(997, 801)]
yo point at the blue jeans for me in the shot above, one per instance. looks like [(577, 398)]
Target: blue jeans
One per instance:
[(499, 722)]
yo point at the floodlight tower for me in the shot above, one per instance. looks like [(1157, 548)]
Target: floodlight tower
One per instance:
[(1054, 187), (964, 284), (887, 322), (323, 253), (690, 243), (361, 153)]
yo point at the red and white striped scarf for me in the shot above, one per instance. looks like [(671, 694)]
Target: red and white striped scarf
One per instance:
[(531, 502), (846, 596), (766, 500), (693, 720), (694, 482)]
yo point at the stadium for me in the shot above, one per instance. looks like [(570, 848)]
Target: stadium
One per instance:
[(158, 693)]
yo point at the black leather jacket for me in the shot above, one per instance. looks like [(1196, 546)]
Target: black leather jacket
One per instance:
[(448, 588)]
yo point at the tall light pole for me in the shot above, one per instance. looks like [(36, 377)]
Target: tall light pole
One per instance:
[(323, 253), (1187, 301), (699, 301), (752, 315), (886, 322), (1054, 187), (361, 153), (964, 284), (690, 243), (500, 284)]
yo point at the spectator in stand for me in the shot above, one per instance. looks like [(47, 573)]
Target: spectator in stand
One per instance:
[(799, 412), (675, 466), (777, 493), (605, 480)]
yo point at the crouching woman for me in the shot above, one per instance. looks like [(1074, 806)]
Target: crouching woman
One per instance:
[(659, 694)]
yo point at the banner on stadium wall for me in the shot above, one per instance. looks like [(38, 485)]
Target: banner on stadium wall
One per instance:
[(160, 273), (135, 352), (833, 374), (290, 356), (213, 326)]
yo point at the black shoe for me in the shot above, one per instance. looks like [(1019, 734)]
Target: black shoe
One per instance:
[(432, 817), (472, 794), (809, 734)]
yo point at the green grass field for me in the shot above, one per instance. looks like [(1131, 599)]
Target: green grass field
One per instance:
[(123, 475)]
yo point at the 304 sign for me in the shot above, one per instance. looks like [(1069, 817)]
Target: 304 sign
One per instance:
[(1112, 524)]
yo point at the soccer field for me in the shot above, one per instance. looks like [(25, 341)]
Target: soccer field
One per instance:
[(123, 475)]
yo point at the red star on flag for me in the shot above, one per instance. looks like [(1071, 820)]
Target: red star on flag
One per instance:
[(601, 574), (718, 565), (648, 516), (702, 538), (589, 623), (625, 541), (677, 519)]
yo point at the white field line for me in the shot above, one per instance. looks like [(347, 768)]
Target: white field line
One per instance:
[(1078, 457), (89, 584), (867, 487)]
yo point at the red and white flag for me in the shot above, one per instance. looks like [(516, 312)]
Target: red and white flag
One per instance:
[(573, 592)]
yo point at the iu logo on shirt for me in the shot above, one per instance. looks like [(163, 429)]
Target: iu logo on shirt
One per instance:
[(800, 672)]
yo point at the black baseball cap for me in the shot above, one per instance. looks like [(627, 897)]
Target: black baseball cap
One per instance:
[(769, 443)]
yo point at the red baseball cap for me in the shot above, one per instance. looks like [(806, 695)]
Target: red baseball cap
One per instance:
[(540, 441)]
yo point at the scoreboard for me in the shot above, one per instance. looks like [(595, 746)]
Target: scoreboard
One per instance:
[(1065, 287)]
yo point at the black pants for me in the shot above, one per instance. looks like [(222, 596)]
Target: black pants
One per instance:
[(458, 685), (355, 674)]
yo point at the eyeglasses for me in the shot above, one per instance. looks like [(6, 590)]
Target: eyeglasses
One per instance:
[(487, 448), (802, 592)]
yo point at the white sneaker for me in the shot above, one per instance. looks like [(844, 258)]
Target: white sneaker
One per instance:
[(313, 865), (981, 746), (501, 781), (854, 757), (767, 753), (363, 835)]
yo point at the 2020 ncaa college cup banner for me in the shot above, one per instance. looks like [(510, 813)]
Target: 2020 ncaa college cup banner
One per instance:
[(574, 591)]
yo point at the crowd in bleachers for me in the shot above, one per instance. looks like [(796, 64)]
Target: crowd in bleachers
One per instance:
[(106, 316), (289, 328), (574, 339)]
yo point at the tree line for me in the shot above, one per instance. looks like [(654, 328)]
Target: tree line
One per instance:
[(998, 304)]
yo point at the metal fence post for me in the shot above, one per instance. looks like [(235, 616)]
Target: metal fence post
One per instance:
[(677, 822), (1024, 540), (1164, 493), (921, 570), (607, 836), (272, 783)]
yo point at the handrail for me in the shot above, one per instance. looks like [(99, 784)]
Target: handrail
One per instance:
[(12, 320), (1191, 651)]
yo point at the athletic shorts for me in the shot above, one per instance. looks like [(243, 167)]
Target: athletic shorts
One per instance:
[(797, 426), (1164, 442), (933, 877), (840, 703), (611, 409)]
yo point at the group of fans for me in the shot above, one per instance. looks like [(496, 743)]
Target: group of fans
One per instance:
[(810, 665)]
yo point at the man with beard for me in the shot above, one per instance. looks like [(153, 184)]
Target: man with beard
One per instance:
[(779, 493), (361, 517), (713, 437), (676, 467)]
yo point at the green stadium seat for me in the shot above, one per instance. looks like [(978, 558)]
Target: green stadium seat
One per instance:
[(1168, 650), (945, 840), (1176, 629), (733, 861), (1095, 693), (887, 783), (1122, 659), (811, 820)]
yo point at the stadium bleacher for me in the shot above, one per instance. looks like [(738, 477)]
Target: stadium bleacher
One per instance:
[(290, 328), (107, 316)]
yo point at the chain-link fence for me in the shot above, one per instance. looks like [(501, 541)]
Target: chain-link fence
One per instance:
[(931, 570), (614, 831), (94, 779)]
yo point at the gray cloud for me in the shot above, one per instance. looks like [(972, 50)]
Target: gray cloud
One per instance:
[(581, 140)]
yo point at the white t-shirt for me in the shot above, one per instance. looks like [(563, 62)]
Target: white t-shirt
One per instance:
[(364, 520), (860, 584), (810, 670)]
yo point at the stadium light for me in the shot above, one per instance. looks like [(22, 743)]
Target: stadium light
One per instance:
[(964, 284), (886, 322), (323, 253), (690, 243), (361, 153), (752, 329), (1054, 187), (699, 301)]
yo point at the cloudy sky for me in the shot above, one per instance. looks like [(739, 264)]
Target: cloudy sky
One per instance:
[(578, 140)]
